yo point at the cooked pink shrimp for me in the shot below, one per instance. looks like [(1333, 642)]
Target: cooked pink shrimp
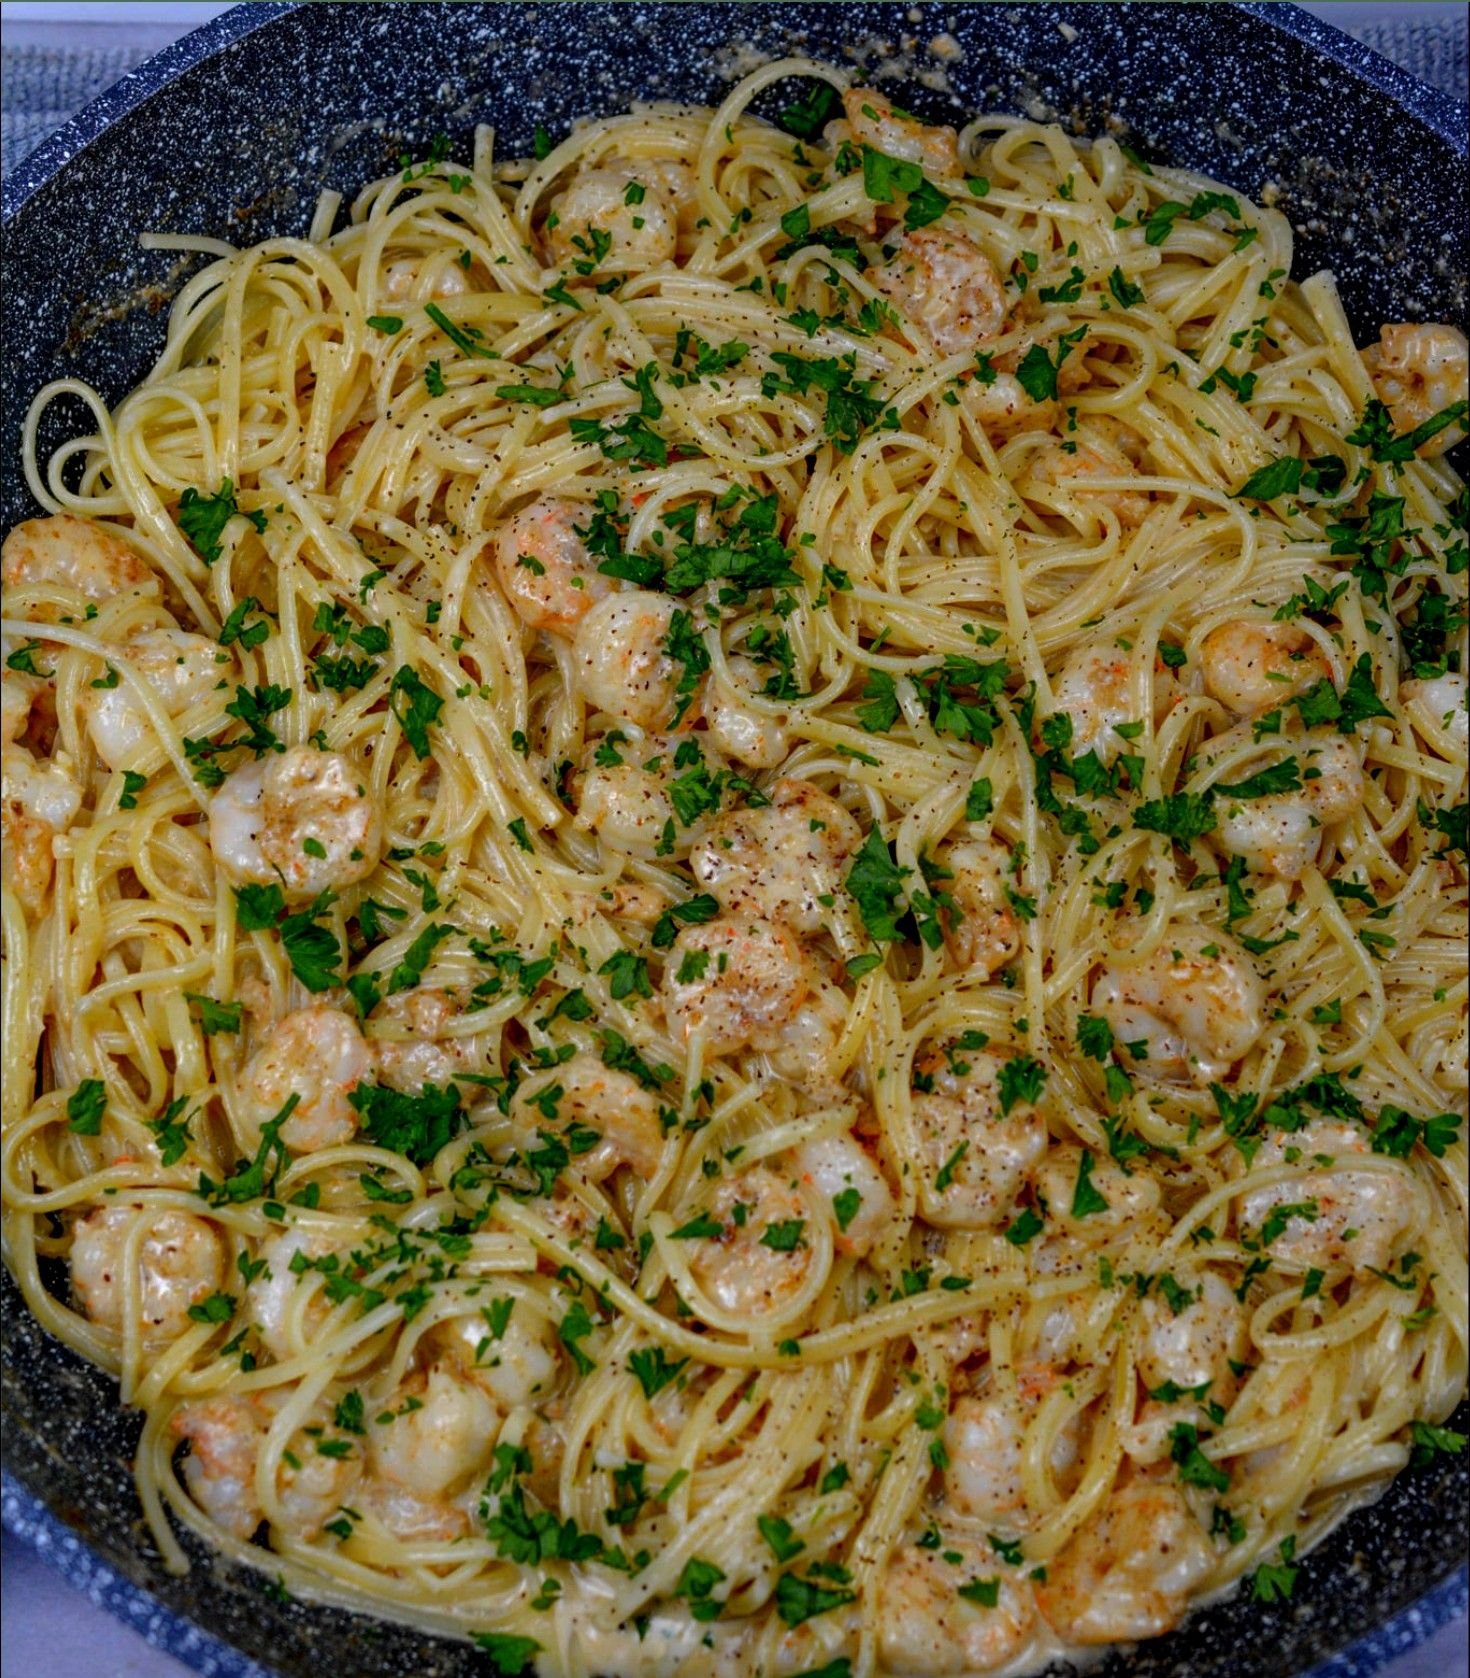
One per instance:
[(1437, 708), (627, 797), (514, 1358), (1003, 406), (845, 1175), (548, 576), (72, 555), (1282, 834), (428, 1446), (586, 1096), (1128, 1573), (421, 279), (946, 287), (225, 1435), (304, 819), (40, 800), (984, 1441), (1188, 1011), (179, 1262), (740, 731), (1355, 1218), (1102, 448), (1130, 1196), (1195, 1343), (975, 1157), (1094, 689), (1188, 1342), (1419, 371), (874, 122), (619, 216), (431, 1050), (930, 1626), (982, 931), (182, 669), (738, 979), (739, 1269), (1250, 666), (781, 859), (318, 1055), (805, 1050), (623, 665), (283, 1305)]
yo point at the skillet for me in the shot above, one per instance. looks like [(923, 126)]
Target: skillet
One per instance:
[(235, 129)]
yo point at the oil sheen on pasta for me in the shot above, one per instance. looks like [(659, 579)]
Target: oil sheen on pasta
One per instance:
[(737, 865)]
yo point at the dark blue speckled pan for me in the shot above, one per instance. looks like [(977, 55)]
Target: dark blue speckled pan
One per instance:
[(234, 130)]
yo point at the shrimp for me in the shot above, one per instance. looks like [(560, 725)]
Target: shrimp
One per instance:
[(803, 1051), (1419, 370), (40, 800), (753, 979), (873, 121), (741, 1271), (750, 737), (638, 810), (779, 860), (277, 1303), (182, 669), (1102, 448), (1355, 1217), (26, 702), (1193, 1344), (622, 661), (225, 1435), (927, 1626), (946, 288), (1130, 1196), (1181, 1013), (611, 1119), (1094, 689), (403, 279), (549, 577), (1250, 667), (1437, 708), (1003, 406), (629, 810), (984, 1441), (177, 1262), (1129, 1571), (302, 818), (1187, 1341), (843, 1173), (618, 217), (982, 931), (1282, 834), (318, 1055), (428, 1446), (75, 558), (628, 900), (513, 1357), (974, 1155), (421, 1045)]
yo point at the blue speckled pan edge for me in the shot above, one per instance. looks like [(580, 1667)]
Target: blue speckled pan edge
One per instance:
[(28, 1519), (54, 153), (1446, 116), (171, 1630)]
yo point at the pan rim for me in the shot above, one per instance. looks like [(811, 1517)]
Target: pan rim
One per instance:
[(25, 1514), (1442, 115)]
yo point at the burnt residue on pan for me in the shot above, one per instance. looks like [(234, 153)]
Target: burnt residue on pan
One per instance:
[(233, 132)]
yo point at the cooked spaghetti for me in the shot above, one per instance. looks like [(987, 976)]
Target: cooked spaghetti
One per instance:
[(735, 896)]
